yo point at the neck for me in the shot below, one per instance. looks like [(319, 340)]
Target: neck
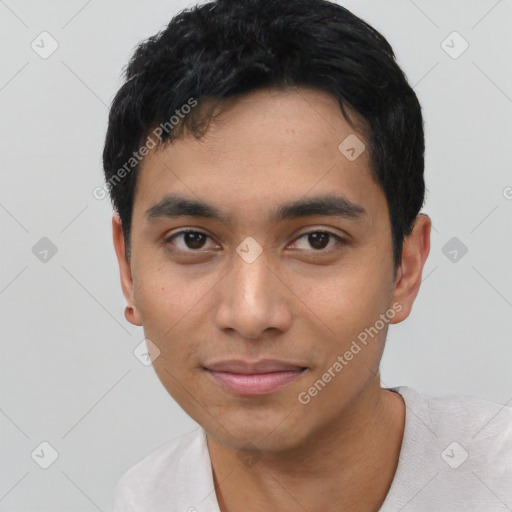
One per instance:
[(350, 461)]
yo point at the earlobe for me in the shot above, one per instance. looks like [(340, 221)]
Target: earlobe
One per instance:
[(415, 251), (130, 313)]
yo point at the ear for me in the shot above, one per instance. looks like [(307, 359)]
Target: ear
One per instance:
[(415, 251), (131, 312)]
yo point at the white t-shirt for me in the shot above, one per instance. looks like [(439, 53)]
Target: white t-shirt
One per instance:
[(456, 456)]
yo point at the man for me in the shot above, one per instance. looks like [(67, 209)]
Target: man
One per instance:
[(265, 161)]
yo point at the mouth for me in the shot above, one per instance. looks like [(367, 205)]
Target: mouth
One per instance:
[(254, 379)]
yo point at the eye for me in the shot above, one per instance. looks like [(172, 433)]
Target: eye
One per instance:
[(190, 240), (319, 240), (193, 241)]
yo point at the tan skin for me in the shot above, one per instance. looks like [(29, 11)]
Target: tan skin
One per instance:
[(296, 302)]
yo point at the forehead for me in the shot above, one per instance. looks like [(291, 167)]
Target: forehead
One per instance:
[(261, 151)]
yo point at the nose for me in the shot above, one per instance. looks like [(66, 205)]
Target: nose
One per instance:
[(253, 299)]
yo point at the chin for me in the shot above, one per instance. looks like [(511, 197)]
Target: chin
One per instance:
[(267, 432), (258, 441)]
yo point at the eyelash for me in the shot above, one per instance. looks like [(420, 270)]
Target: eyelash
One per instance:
[(339, 240)]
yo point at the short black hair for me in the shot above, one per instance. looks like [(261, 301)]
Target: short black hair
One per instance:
[(227, 48)]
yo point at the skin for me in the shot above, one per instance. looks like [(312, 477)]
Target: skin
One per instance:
[(294, 302)]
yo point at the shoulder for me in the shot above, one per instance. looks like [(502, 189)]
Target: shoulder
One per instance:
[(486, 427), (451, 413), (462, 432), (456, 454), (164, 475)]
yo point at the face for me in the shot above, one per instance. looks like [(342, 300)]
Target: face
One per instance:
[(259, 279)]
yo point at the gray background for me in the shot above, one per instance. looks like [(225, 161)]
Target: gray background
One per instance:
[(68, 373)]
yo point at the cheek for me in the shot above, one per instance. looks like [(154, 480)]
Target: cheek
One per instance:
[(164, 307), (162, 295), (350, 299), (351, 307)]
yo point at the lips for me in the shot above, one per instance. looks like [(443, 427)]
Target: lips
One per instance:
[(254, 378), (250, 368)]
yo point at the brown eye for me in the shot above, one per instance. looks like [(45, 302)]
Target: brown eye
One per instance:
[(188, 241), (319, 240), (194, 240)]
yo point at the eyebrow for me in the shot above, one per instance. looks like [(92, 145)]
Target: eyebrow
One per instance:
[(174, 206)]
